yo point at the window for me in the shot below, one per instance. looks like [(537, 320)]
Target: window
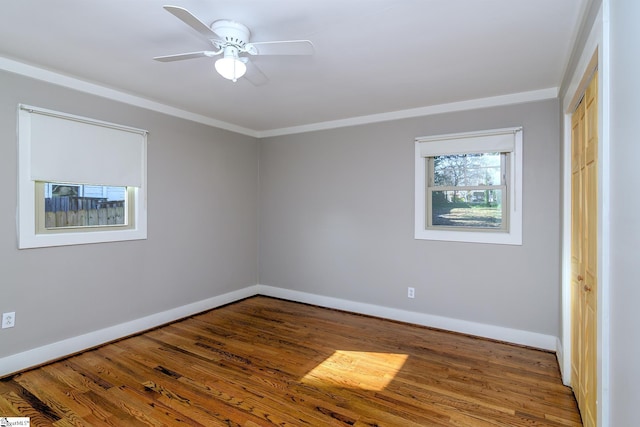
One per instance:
[(62, 207), (466, 191), (469, 187), (80, 180)]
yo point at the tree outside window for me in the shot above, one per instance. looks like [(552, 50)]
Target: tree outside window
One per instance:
[(467, 190)]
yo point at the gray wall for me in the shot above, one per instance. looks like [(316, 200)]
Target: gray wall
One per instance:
[(337, 215), (336, 219), (625, 222), (202, 226)]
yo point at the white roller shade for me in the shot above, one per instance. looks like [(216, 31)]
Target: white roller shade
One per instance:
[(495, 141), (73, 149)]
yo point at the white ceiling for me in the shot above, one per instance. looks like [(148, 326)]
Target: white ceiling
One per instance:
[(372, 56)]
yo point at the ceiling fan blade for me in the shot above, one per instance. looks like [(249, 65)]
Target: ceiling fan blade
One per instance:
[(185, 16), (255, 75), (288, 47), (190, 55)]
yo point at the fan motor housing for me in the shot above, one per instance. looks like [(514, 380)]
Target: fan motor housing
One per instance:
[(232, 32)]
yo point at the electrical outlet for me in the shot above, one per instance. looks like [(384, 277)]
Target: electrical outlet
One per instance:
[(8, 320), (411, 293)]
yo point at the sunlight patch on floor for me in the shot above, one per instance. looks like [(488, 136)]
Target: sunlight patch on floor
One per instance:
[(356, 369)]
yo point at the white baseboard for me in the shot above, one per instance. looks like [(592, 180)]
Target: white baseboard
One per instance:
[(40, 355), (565, 369), (515, 336)]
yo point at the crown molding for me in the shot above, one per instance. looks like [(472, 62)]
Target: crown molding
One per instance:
[(52, 77), (59, 79), (473, 104)]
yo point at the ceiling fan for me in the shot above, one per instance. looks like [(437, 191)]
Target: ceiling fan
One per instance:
[(231, 39)]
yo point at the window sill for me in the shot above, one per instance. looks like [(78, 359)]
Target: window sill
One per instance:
[(64, 239), (491, 237)]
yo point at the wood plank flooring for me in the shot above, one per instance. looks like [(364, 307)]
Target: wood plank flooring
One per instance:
[(265, 362)]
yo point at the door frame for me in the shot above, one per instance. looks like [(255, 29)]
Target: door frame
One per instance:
[(595, 54)]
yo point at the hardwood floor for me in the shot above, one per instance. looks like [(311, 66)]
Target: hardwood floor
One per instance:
[(264, 362)]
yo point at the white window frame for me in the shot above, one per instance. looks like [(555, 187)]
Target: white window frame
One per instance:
[(459, 143), (29, 235)]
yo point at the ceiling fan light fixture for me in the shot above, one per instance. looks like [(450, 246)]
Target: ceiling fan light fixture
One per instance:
[(232, 39), (231, 68)]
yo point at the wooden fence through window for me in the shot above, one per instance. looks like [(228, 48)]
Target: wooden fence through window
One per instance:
[(66, 211)]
